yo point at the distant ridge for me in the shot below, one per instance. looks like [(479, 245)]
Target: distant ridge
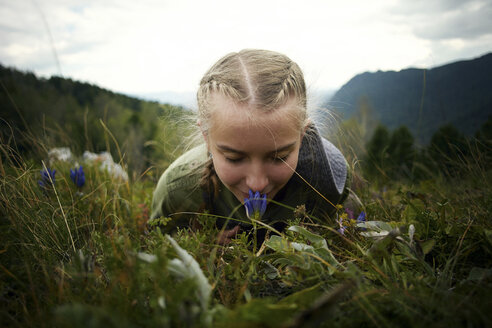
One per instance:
[(63, 112), (459, 93), (184, 99)]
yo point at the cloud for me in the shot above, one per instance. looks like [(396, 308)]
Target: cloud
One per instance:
[(155, 45), (447, 19)]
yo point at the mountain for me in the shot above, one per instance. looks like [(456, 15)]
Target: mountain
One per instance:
[(459, 93)]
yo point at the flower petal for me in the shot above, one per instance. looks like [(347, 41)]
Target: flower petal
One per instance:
[(361, 217), (248, 207), (263, 205)]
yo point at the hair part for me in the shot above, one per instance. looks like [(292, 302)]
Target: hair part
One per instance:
[(261, 79)]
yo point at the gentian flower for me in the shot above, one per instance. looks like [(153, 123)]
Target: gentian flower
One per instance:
[(78, 177), (255, 205), (47, 178), (361, 217)]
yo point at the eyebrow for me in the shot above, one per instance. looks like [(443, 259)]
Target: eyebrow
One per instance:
[(279, 150)]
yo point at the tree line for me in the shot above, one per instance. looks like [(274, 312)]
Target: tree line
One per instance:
[(40, 113), (394, 154)]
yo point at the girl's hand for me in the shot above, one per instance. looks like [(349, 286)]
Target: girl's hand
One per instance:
[(225, 237)]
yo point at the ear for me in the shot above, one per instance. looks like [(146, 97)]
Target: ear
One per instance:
[(204, 132), (306, 126)]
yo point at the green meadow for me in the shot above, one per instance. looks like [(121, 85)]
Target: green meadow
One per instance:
[(88, 256), (416, 252)]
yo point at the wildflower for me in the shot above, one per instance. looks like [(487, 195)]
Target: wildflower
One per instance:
[(361, 217), (105, 161), (255, 205), (342, 228), (411, 232), (60, 154), (350, 213), (47, 178), (300, 212), (78, 177)]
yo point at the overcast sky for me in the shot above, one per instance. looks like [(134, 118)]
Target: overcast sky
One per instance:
[(144, 46)]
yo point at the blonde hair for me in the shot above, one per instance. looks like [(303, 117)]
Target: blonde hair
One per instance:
[(262, 79)]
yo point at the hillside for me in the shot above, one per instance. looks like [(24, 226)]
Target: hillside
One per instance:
[(423, 99), (66, 113)]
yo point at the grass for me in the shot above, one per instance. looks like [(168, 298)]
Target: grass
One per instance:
[(86, 257)]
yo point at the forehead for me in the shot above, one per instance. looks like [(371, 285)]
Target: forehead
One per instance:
[(225, 113)]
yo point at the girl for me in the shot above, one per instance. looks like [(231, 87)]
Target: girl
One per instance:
[(252, 113)]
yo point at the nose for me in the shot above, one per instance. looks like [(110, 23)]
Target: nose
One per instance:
[(257, 178)]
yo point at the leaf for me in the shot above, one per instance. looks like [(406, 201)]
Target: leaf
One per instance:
[(375, 225), (302, 259), (270, 271), (383, 244), (294, 259), (374, 233), (277, 243), (478, 274), (302, 247), (427, 246), (320, 246), (188, 268), (316, 240), (178, 268), (149, 258)]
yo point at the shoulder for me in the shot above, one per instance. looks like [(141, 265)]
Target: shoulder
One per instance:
[(178, 187), (185, 168), (337, 163), (324, 167)]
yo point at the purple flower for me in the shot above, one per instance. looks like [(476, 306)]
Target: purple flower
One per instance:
[(342, 228), (350, 213), (255, 205), (361, 217), (47, 178), (78, 177)]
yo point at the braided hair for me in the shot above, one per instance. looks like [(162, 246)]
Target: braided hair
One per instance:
[(264, 80)]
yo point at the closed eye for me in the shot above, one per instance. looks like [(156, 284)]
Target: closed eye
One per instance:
[(278, 159), (233, 160)]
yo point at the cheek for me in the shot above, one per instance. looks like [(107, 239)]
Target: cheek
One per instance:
[(228, 174), (280, 174)]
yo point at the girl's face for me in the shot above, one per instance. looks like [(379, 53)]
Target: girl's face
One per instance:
[(259, 154)]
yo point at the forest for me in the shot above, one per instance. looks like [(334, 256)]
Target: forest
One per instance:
[(77, 248), (67, 113)]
